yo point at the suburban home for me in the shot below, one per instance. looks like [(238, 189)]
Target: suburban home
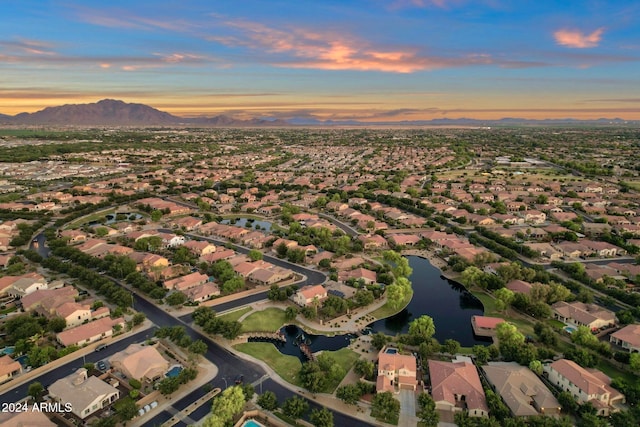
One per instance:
[(89, 332), (521, 390), (142, 362), (9, 368), (374, 241), (185, 282), (519, 286), (45, 301), (485, 326), (85, 395), (627, 338), (403, 239), (396, 371), (580, 314), (19, 286), (269, 276), (308, 294), (585, 385), (24, 419), (456, 387), (369, 277), (200, 247), (202, 292), (603, 249)]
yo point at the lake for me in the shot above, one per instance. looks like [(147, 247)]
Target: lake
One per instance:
[(446, 302), (249, 223)]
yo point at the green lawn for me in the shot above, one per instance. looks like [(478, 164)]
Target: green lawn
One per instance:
[(235, 315), (344, 357), (269, 320), (613, 372), (87, 219), (287, 367), (388, 311), (488, 302)]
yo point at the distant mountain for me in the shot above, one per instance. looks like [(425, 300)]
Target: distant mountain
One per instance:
[(112, 112), (118, 113)]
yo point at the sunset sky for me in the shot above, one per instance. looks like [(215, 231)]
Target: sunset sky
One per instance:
[(369, 60)]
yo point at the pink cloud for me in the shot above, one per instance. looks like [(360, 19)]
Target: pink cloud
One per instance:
[(578, 39), (303, 48)]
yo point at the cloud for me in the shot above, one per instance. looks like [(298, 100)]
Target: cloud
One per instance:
[(26, 46), (577, 39), (303, 48)]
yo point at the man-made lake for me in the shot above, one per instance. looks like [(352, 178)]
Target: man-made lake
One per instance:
[(249, 223), (447, 303), (295, 336)]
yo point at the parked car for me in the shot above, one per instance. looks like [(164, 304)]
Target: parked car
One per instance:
[(101, 347), (101, 366)]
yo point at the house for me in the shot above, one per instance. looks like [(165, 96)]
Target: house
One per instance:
[(369, 277), (25, 419), (521, 390), (264, 276), (627, 338), (485, 326), (73, 313), (374, 241), (202, 292), (585, 385), (200, 247), (142, 362), (46, 300), (85, 395), (308, 294), (396, 371), (580, 314), (9, 368), (89, 332), (19, 286), (456, 387), (185, 282), (519, 286), (403, 239)]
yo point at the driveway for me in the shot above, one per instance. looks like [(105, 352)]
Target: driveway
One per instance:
[(407, 402)]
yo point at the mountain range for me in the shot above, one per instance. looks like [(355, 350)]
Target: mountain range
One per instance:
[(110, 112)]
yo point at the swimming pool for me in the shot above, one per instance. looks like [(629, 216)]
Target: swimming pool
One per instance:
[(570, 329), (174, 371), (252, 423), (391, 351), (7, 350)]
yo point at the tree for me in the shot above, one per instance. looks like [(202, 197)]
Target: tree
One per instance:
[(255, 255), (321, 418), (427, 410), (583, 336), (365, 368), (349, 394), (198, 347), (268, 400), (536, 367), (281, 250), (176, 298), (295, 407), (56, 324), (385, 408), (395, 296), (225, 407), (634, 361), (126, 409), (451, 346), (290, 313), (421, 329), (504, 298), (168, 385), (156, 215), (138, 318), (232, 285), (481, 353), (471, 276), (35, 391), (379, 340)]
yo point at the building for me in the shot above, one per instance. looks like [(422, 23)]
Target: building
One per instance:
[(585, 385), (308, 294), (456, 387), (581, 314), (85, 395), (142, 362), (627, 338), (25, 419), (521, 390), (395, 371), (89, 332), (202, 292), (485, 326), (9, 368), (185, 282)]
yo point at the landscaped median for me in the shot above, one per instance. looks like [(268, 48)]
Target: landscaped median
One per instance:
[(288, 367)]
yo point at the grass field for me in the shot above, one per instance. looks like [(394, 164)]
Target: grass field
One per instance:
[(269, 320), (87, 219), (388, 311), (235, 315), (287, 367)]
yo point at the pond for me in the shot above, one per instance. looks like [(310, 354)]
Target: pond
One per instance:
[(121, 216), (446, 302), (295, 335), (248, 222)]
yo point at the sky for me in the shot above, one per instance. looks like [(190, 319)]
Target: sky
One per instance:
[(367, 60)]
